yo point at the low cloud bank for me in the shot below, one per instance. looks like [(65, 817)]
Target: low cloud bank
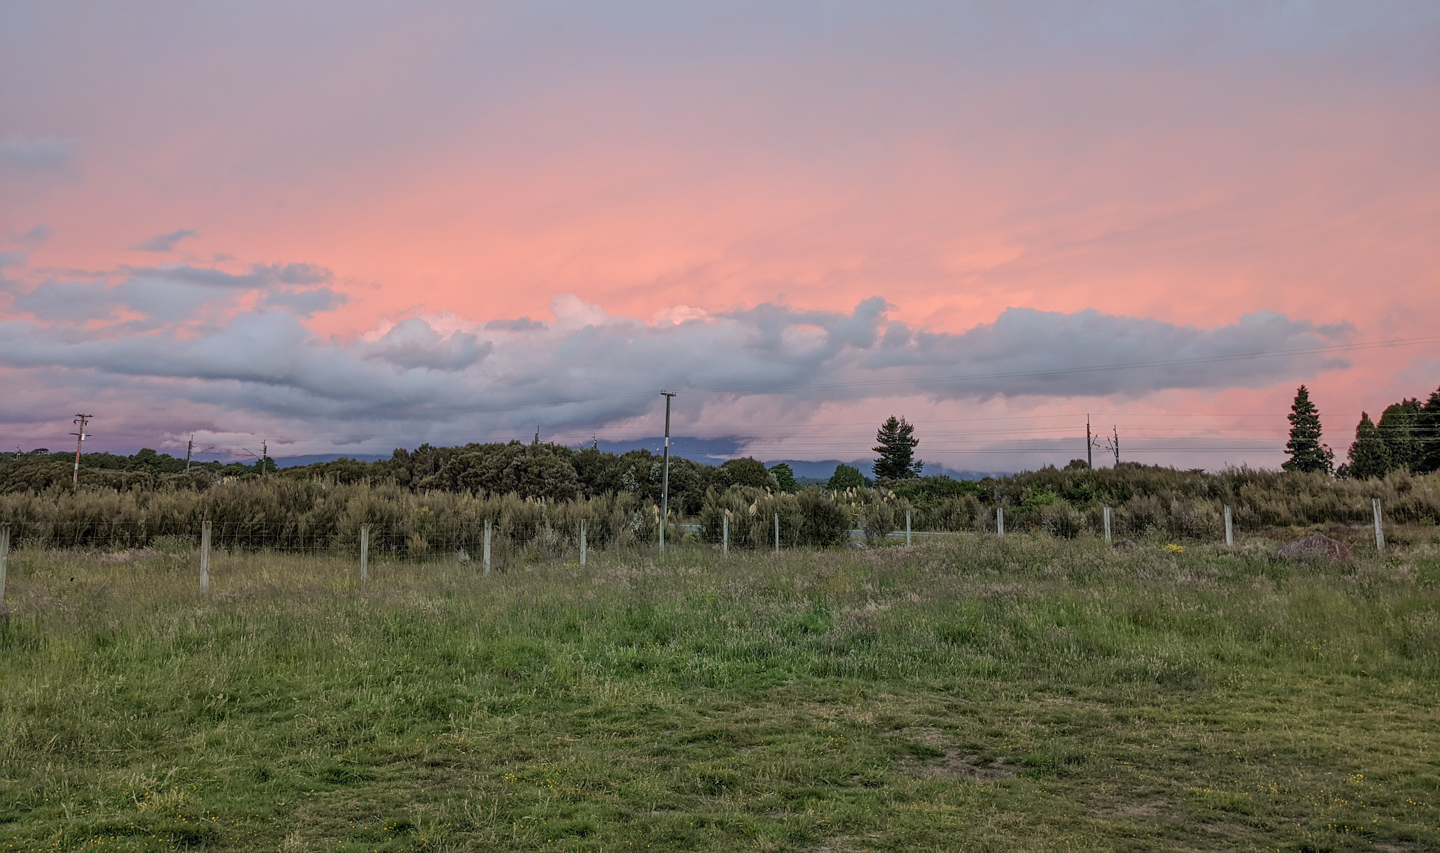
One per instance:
[(176, 345)]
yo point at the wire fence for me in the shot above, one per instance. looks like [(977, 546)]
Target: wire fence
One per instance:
[(505, 539)]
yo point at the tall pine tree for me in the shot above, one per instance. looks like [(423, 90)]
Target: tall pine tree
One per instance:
[(1369, 457), (896, 445), (1306, 451)]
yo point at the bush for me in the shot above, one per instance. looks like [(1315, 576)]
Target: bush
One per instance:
[(811, 518)]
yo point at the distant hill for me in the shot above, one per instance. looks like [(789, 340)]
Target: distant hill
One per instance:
[(297, 461)]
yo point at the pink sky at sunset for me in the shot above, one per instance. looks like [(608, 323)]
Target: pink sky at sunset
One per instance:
[(313, 223)]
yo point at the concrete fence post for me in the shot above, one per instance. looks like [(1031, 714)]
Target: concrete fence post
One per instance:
[(4, 557), (1379, 525), (725, 534), (582, 543), (999, 521), (777, 532), (907, 528), (487, 546), (1107, 524), (205, 558), (1229, 529), (364, 556)]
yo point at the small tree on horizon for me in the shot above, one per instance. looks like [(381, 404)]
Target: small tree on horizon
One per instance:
[(896, 445), (1306, 451), (784, 477), (1369, 457), (845, 477)]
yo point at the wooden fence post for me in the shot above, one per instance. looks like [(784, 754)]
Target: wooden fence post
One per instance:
[(1229, 529), (4, 557), (364, 556), (582, 543), (1107, 524), (487, 546), (907, 528), (999, 521), (205, 558), (1379, 525)]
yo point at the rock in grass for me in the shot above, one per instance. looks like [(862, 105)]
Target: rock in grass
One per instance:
[(1316, 546), (856, 546), (1125, 545)]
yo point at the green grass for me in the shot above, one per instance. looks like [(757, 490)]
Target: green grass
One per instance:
[(1026, 694)]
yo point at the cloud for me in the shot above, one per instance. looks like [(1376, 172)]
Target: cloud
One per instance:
[(414, 344), (519, 324), (149, 298), (413, 380), (163, 242), (1049, 353), (294, 273), (37, 236), (68, 301), (35, 155), (305, 302)]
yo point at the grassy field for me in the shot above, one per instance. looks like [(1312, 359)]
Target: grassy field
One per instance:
[(1022, 694)]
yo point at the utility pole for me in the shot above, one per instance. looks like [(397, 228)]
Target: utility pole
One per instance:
[(1115, 445), (79, 439), (665, 476), (189, 450), (264, 454), (1089, 445)]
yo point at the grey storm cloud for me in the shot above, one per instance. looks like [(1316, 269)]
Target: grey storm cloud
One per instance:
[(163, 242), (588, 368), (1047, 353), (34, 155)]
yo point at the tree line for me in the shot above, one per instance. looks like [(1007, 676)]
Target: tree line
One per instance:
[(1406, 438)]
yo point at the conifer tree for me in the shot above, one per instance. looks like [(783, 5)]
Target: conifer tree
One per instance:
[(1369, 457), (1306, 451), (896, 445)]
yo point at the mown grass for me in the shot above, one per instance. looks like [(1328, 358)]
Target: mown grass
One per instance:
[(1022, 694)]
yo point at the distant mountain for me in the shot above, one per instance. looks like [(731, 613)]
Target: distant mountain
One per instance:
[(297, 461), (821, 472), (711, 451)]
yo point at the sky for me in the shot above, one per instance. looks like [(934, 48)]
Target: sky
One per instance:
[(342, 228)]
